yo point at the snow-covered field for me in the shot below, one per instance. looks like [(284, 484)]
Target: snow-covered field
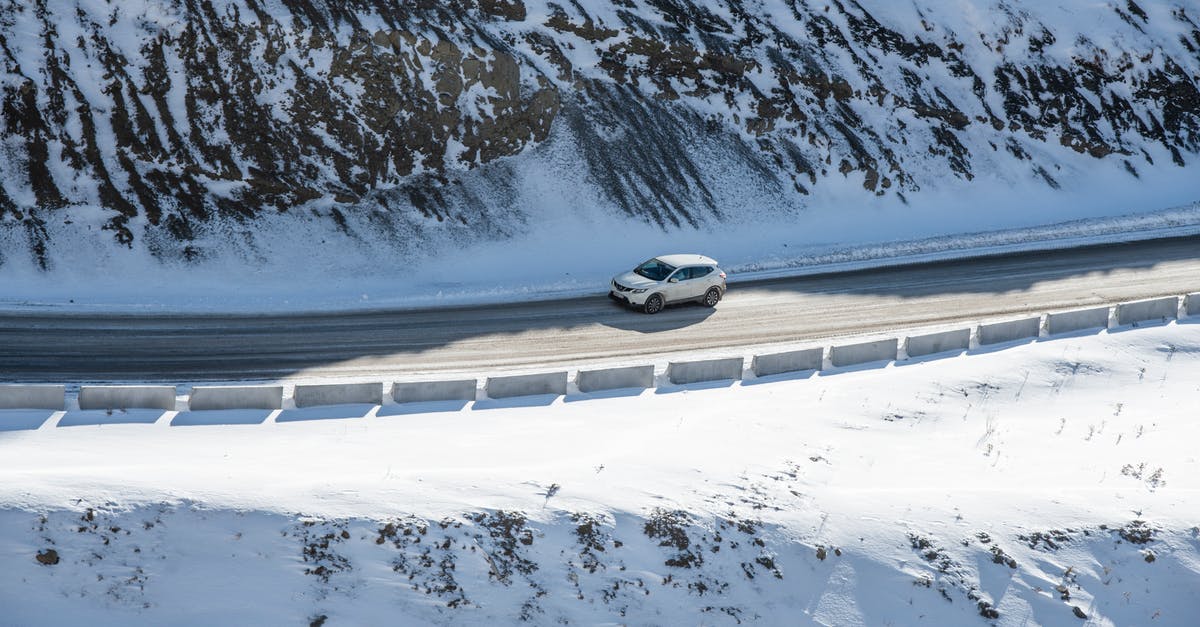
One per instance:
[(1053, 483)]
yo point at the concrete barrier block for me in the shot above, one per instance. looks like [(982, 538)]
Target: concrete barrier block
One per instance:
[(33, 397), (791, 361), (863, 352), (681, 372), (127, 397), (1192, 304), (1078, 320), (615, 378), (1011, 331), (944, 341), (425, 391), (214, 397), (1154, 309), (527, 385), (338, 394)]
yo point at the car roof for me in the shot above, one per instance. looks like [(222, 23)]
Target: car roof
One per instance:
[(687, 260)]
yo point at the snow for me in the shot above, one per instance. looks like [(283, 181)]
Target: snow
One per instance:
[(558, 254), (549, 212), (1047, 481), (1030, 480)]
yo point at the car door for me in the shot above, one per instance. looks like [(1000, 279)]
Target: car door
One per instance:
[(690, 286), (699, 281), (676, 286)]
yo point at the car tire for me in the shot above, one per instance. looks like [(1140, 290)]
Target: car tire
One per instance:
[(712, 297), (653, 305)]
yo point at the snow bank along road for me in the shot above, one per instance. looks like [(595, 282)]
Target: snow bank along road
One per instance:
[(56, 346)]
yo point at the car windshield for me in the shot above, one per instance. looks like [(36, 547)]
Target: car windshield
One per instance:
[(655, 270)]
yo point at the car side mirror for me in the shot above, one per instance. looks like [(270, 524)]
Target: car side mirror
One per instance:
[(673, 280)]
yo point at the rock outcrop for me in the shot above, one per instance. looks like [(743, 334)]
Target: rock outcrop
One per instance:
[(165, 115)]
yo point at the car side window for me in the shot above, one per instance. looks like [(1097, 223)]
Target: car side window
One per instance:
[(687, 273), (701, 272)]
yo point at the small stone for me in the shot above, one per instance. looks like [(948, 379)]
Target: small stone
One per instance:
[(49, 557), (1078, 612)]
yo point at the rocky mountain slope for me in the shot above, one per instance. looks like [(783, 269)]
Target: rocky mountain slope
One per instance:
[(156, 120)]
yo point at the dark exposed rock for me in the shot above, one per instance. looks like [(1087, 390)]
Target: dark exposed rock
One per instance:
[(511, 10), (227, 112), (1137, 532), (49, 557), (588, 30)]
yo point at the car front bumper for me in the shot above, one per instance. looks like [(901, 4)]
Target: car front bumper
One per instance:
[(630, 297)]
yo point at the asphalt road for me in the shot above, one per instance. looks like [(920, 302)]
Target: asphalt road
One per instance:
[(60, 347)]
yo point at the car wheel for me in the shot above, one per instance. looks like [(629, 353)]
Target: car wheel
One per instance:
[(711, 297), (654, 304)]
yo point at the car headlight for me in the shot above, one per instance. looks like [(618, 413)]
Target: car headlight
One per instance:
[(639, 291)]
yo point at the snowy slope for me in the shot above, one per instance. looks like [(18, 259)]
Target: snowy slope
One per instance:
[(320, 140), (1048, 484)]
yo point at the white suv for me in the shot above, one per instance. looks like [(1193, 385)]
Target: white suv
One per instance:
[(670, 279)]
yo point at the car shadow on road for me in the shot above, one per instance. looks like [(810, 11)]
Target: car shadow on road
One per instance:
[(672, 318)]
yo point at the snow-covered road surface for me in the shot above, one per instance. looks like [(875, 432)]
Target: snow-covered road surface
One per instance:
[(53, 346)]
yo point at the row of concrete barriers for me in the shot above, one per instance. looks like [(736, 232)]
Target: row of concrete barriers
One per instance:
[(204, 398)]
